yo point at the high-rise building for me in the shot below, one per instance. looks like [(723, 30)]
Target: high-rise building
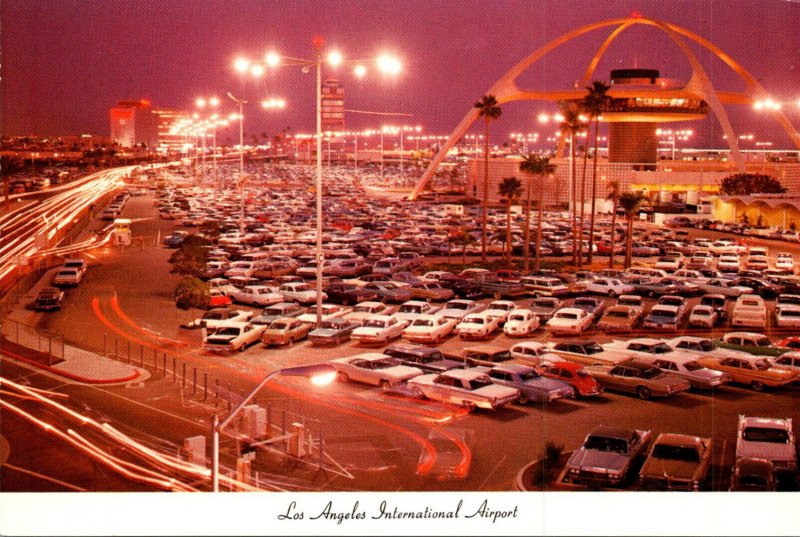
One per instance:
[(134, 123), (332, 106), (168, 140)]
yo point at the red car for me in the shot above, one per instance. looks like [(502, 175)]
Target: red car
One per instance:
[(583, 384), (218, 300), (792, 342)]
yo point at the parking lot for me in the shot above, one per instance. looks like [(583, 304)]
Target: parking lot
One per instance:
[(127, 297)]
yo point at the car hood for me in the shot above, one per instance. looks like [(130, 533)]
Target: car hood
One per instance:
[(496, 391), (670, 468), (590, 459)]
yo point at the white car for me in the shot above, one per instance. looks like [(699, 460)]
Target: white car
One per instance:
[(701, 346), (569, 322), (300, 292), (329, 311), (729, 263), (723, 246), (668, 263), (784, 261), (789, 360), (500, 309), (467, 387), (67, 276), (379, 329), (412, 309), (216, 317), (477, 326), (257, 295), (429, 329), (233, 336), (767, 438), (703, 316), (534, 353), (460, 307), (521, 322), (363, 310), (787, 316), (749, 311), (632, 301), (223, 285), (644, 348), (373, 368), (608, 286)]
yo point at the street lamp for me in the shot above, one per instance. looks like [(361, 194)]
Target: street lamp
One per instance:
[(385, 63), (318, 374)]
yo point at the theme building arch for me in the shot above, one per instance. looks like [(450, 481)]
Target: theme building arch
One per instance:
[(699, 85)]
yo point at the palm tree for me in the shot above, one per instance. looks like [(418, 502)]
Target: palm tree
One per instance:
[(488, 109), (539, 166), (630, 202), (510, 189), (596, 103), (613, 195), (572, 125)]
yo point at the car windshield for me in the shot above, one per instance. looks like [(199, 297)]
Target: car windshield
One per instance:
[(543, 303), (457, 305), (227, 331), (528, 375), (410, 308), (592, 348), (618, 313), (517, 317), (669, 314), (761, 365), (278, 326), (604, 443), (330, 324), (479, 382), (474, 320), (766, 434), (362, 309), (383, 363), (701, 312), (676, 453), (763, 342), (566, 315), (692, 366), (375, 323), (423, 322), (651, 373)]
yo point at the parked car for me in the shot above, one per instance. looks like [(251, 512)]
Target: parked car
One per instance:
[(373, 368), (485, 355), (608, 286), (379, 329), (545, 307), (759, 286), (467, 387), (429, 328), (531, 385), (749, 311), (333, 331), (787, 316), (533, 353), (750, 343), (753, 475), (676, 462), (216, 317), (771, 439), (390, 291), (606, 456), (721, 286), (428, 359), (638, 378), (587, 352), (477, 326), (718, 303), (349, 294), (299, 292), (619, 319), (285, 331), (329, 311), (232, 336), (544, 286), (592, 305), (634, 302), (703, 317), (688, 367), (276, 311), (520, 323), (755, 371), (257, 295), (582, 383), (460, 308), (413, 309), (49, 299), (663, 317), (569, 321), (431, 291)]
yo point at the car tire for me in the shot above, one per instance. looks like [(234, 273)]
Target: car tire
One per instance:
[(643, 392), (470, 406), (416, 393), (612, 293), (291, 341), (575, 393), (384, 385), (523, 398), (757, 386), (497, 295), (342, 376)]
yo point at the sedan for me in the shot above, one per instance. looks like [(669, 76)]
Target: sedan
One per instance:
[(431, 291), (379, 329), (582, 383), (429, 329), (467, 387), (332, 332), (285, 331), (531, 385), (373, 368), (638, 378), (703, 317), (755, 371), (619, 319), (49, 299), (477, 326), (569, 321), (676, 462), (257, 295), (521, 322), (348, 294)]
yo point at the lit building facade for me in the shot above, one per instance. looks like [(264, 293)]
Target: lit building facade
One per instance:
[(134, 123)]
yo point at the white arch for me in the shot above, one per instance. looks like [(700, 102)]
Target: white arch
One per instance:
[(506, 90)]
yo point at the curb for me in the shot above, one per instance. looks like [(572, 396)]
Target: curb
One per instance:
[(71, 376), (518, 483)]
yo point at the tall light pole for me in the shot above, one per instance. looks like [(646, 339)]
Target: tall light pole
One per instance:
[(384, 63), (319, 374), (241, 103)]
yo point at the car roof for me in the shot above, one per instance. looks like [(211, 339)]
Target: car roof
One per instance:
[(465, 374), (612, 432)]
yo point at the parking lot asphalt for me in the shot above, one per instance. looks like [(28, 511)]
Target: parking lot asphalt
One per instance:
[(125, 309)]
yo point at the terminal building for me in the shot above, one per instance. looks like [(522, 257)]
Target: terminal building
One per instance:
[(133, 123)]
